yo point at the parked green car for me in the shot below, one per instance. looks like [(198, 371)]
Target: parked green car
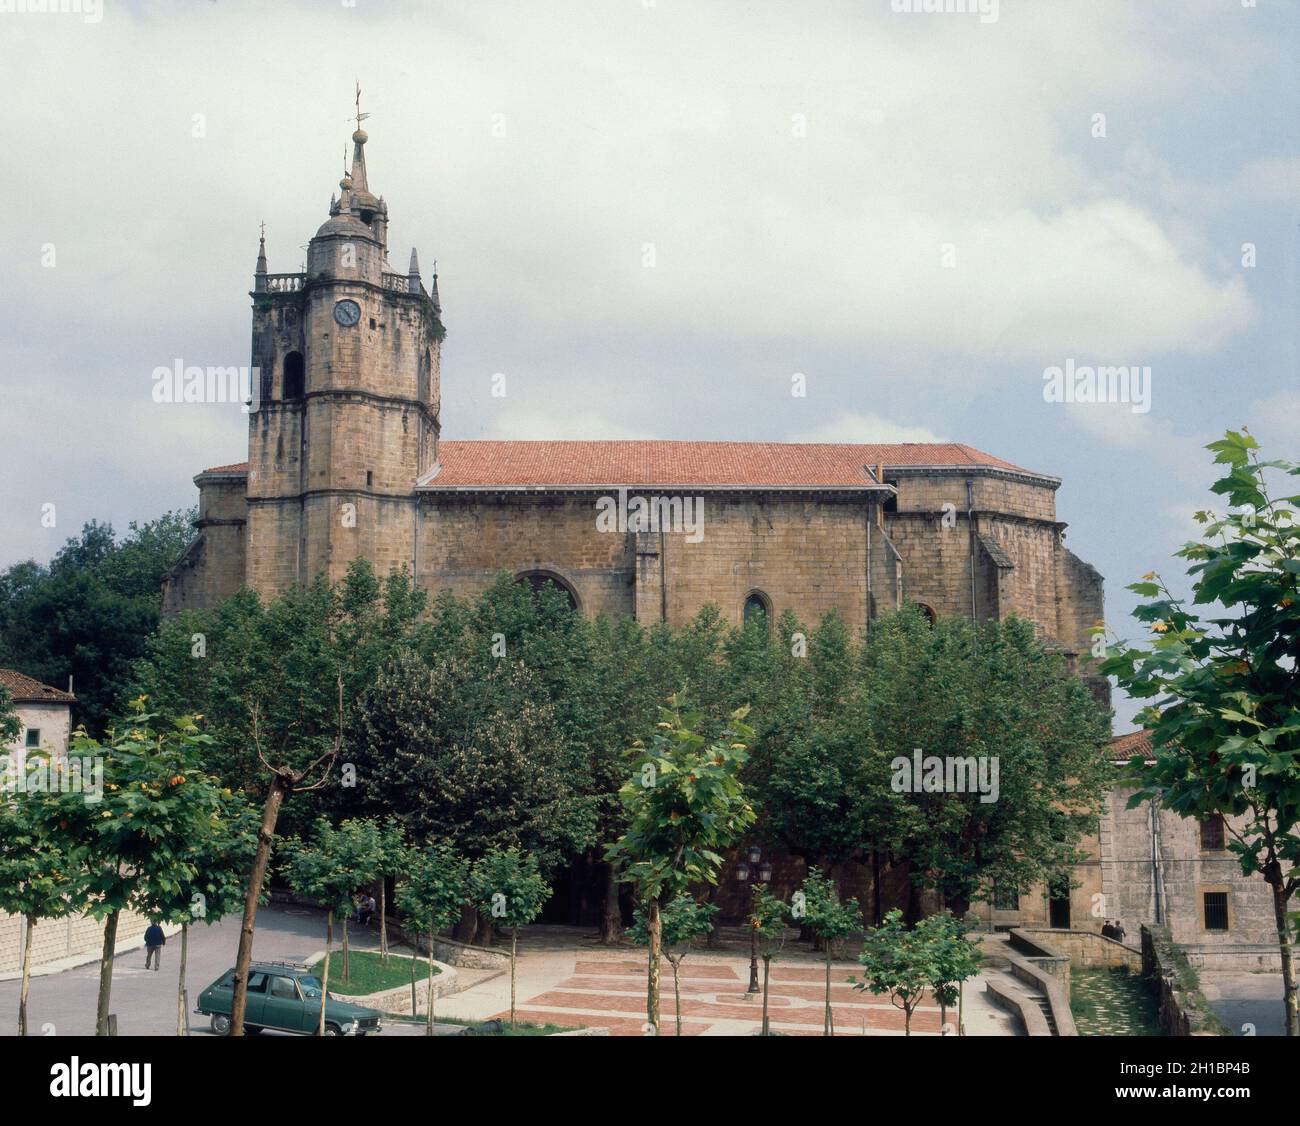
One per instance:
[(287, 998)]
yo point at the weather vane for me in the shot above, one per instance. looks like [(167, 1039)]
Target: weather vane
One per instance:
[(360, 116)]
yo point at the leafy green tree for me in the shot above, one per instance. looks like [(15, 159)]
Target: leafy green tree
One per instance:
[(1224, 683), (284, 662), (394, 855), (35, 878), (684, 805), (90, 612), (128, 835), (817, 906), (593, 678), (767, 919), (992, 697), (508, 887), (683, 922), (207, 883), (474, 757), (953, 959), (900, 961), (10, 725), (436, 887), (325, 870)]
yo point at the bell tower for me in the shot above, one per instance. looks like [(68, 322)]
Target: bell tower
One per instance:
[(348, 416)]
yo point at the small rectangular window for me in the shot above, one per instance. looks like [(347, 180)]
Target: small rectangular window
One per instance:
[(1212, 833), (1216, 910), (370, 478), (33, 736)]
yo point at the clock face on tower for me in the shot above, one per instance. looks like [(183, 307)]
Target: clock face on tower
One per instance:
[(347, 313)]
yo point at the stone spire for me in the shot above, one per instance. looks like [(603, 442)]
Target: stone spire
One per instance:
[(259, 271), (433, 293), (413, 273)]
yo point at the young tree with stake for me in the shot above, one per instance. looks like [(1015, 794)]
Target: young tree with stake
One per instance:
[(436, 888), (683, 922), (817, 906), (684, 806), (508, 888)]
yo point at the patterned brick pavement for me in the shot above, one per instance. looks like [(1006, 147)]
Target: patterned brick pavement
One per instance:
[(610, 993)]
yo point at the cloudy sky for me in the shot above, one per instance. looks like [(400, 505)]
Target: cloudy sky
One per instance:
[(920, 212)]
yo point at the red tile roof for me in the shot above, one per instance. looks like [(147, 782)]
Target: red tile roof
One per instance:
[(23, 689), (1133, 743), (484, 464)]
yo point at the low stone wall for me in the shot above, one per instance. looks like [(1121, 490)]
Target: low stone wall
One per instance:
[(1184, 1011), (1248, 958), (1041, 968), (1086, 949), (1047, 958), (67, 941), (455, 953), (1008, 995)]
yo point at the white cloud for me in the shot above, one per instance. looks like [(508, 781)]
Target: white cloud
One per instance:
[(868, 428), (532, 424)]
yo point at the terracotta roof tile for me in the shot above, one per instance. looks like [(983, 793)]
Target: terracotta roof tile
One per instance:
[(23, 689), (486, 464), (1133, 743)]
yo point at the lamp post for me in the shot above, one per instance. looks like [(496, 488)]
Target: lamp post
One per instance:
[(753, 859)]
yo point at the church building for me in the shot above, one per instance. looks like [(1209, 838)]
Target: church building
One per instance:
[(346, 459)]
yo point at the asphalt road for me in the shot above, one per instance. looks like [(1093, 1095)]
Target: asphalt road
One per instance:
[(1246, 999), (63, 1004)]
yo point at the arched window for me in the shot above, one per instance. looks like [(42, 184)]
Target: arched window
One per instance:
[(294, 376), (540, 580), (757, 607)]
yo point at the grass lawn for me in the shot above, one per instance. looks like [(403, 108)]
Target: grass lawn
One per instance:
[(368, 974)]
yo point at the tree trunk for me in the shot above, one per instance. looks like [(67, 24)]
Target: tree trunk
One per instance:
[(1286, 950), (875, 888), (611, 919), (265, 835), (767, 969), (325, 973), (106, 975), (182, 1024), (28, 924), (677, 994), (383, 921), (428, 1001), (346, 966), (907, 1021), (654, 931), (465, 930), (826, 1016), (514, 945)]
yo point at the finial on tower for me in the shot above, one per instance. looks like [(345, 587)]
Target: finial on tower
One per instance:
[(259, 272)]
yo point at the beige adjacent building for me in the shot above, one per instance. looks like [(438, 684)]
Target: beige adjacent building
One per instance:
[(45, 714)]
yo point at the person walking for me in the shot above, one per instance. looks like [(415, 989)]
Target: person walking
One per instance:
[(154, 940)]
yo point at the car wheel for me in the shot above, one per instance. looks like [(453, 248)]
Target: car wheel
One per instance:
[(221, 1024), (332, 1030)]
